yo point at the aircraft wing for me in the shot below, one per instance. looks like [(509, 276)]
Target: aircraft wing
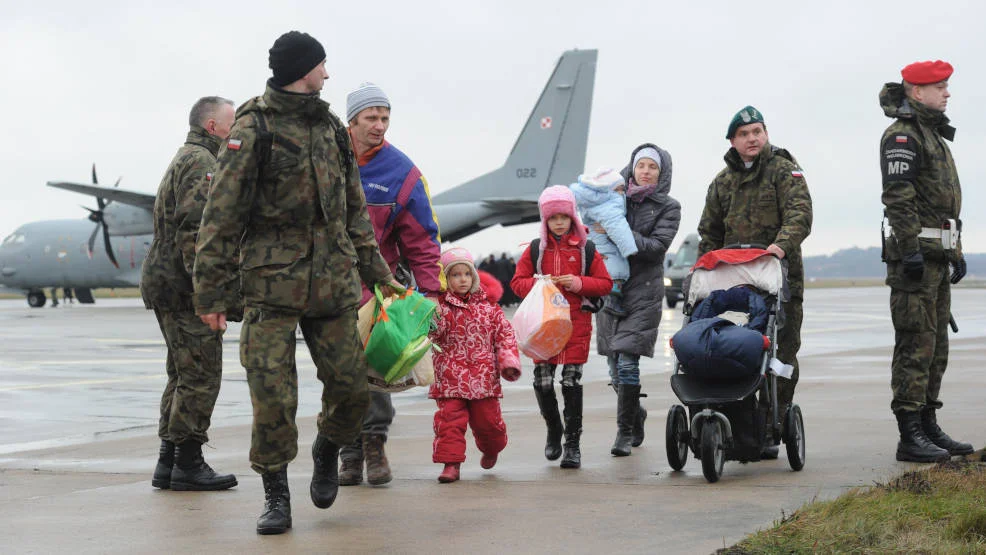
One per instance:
[(505, 204), (123, 196)]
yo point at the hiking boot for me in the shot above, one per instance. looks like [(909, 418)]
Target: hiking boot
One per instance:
[(929, 425), (914, 446), (325, 476), (377, 466), (165, 462), (449, 474), (351, 470), (192, 473), (548, 403), (276, 518)]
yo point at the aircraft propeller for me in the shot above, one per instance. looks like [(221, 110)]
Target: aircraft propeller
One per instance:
[(97, 217)]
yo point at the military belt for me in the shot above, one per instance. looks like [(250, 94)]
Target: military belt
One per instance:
[(948, 234)]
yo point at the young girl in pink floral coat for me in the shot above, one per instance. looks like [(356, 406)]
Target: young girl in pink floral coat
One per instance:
[(478, 346)]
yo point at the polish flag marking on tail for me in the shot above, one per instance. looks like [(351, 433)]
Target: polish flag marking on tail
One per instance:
[(545, 123)]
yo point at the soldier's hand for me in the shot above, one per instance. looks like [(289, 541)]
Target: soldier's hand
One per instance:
[(776, 251), (391, 289), (958, 271), (913, 266), (215, 320)]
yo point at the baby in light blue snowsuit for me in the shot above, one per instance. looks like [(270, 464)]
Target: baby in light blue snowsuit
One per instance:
[(601, 199)]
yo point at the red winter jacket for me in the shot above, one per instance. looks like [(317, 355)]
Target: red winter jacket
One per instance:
[(560, 259), (477, 344)]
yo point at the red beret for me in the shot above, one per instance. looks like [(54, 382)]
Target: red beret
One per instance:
[(926, 73)]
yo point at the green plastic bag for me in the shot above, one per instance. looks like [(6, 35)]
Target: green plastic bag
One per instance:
[(399, 337)]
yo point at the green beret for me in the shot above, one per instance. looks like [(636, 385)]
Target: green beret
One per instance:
[(745, 116)]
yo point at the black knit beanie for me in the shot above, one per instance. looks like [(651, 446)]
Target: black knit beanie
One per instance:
[(293, 55)]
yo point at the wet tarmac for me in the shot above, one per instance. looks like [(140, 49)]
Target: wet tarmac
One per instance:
[(80, 384)]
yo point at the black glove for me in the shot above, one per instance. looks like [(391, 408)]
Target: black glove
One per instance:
[(913, 266), (958, 271)]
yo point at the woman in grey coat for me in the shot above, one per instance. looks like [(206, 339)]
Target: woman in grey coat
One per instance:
[(626, 336)]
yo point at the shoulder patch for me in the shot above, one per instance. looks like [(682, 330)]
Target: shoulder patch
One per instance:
[(899, 160), (797, 173), (234, 144)]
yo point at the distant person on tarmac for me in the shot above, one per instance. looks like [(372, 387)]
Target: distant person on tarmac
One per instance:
[(923, 202), (195, 352), (406, 229), (67, 292), (761, 196), (287, 194), (54, 297)]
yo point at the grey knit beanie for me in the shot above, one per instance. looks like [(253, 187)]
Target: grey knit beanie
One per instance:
[(366, 96)]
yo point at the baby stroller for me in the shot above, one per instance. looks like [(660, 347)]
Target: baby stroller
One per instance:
[(732, 409)]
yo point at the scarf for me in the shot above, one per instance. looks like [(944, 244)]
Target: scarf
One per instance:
[(639, 192)]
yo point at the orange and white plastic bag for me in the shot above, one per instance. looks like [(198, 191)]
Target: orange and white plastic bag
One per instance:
[(542, 323)]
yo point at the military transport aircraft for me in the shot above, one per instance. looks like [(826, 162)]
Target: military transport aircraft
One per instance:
[(72, 253)]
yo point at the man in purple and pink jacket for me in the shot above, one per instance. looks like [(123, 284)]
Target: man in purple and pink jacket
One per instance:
[(406, 228)]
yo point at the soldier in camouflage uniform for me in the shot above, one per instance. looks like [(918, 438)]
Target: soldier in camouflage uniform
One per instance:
[(761, 197), (923, 199), (288, 193), (195, 352)]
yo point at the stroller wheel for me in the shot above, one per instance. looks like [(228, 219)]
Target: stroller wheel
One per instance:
[(713, 452), (794, 438), (677, 437)]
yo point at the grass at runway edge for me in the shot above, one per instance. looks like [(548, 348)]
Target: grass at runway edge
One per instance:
[(941, 509)]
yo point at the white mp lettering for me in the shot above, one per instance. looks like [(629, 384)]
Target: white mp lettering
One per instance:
[(898, 168)]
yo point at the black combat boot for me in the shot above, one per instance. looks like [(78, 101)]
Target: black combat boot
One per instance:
[(914, 446), (548, 403), (192, 473), (351, 466), (572, 458), (377, 465), (276, 518), (325, 477), (929, 425), (165, 460), (627, 402)]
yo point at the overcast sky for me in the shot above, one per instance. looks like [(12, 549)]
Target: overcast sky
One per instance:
[(112, 83)]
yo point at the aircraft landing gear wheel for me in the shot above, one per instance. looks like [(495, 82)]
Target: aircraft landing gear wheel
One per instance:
[(713, 451), (36, 299), (794, 438), (677, 437)]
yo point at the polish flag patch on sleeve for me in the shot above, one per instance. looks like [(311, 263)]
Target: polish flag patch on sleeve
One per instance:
[(901, 138), (234, 144), (208, 176), (797, 173)]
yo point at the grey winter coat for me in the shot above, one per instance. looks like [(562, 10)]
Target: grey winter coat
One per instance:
[(654, 222)]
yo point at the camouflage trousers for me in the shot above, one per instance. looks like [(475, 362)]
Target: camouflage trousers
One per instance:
[(920, 315), (195, 368), (267, 352), (788, 345)]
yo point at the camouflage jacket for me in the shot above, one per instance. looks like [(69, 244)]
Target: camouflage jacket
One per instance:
[(166, 276), (288, 193), (767, 203), (920, 183)]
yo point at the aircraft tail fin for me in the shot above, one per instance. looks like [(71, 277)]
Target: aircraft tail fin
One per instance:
[(551, 146)]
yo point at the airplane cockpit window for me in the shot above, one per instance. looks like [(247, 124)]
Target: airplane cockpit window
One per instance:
[(13, 239)]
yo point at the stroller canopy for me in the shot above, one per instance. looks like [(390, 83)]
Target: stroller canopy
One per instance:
[(727, 268)]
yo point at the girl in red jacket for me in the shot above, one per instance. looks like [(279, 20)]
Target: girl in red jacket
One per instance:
[(477, 346), (561, 254)]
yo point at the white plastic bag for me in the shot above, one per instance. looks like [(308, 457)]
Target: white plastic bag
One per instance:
[(542, 323)]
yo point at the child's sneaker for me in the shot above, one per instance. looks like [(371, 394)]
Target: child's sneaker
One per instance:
[(449, 474), (487, 461)]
